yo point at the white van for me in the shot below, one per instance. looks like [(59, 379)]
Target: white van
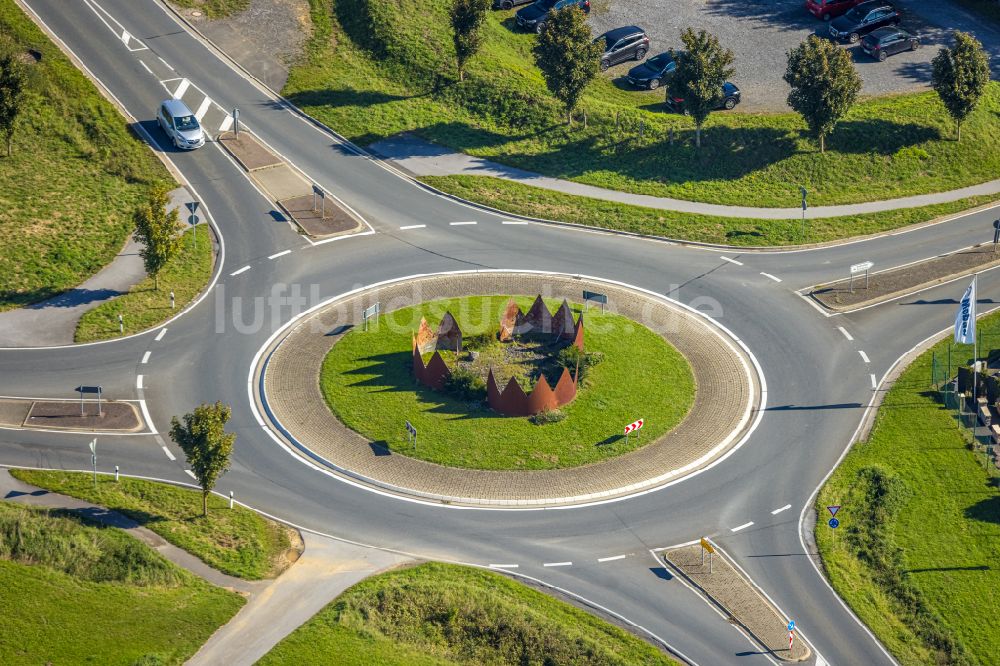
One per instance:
[(180, 125)]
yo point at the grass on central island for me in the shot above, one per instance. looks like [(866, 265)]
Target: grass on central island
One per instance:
[(368, 382), (447, 615), (236, 541), (71, 593), (917, 552)]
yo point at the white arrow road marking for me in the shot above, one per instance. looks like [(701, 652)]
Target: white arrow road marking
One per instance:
[(741, 527), (181, 89)]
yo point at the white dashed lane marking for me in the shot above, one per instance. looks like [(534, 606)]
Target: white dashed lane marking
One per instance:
[(784, 508), (557, 564), (772, 277), (237, 272), (138, 382), (864, 356), (611, 559), (846, 334), (159, 336), (741, 527), (412, 226), (279, 254), (732, 261), (145, 357), (460, 224), (874, 382), (189, 473)]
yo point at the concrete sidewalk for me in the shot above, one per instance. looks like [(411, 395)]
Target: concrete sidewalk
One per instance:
[(53, 322), (423, 158)]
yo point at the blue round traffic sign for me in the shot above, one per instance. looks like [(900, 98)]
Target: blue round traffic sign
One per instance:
[(834, 523), (791, 625)]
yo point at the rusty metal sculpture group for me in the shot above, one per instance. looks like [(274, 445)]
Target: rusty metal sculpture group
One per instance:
[(512, 400)]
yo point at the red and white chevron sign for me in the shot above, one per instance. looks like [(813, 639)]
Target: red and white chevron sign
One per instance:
[(632, 427)]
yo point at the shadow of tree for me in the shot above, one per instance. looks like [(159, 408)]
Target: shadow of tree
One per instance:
[(986, 511)]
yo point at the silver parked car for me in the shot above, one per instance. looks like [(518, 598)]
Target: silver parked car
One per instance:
[(180, 125)]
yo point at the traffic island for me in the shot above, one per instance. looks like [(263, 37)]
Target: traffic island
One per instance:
[(71, 415), (508, 462), (709, 570), (877, 287)]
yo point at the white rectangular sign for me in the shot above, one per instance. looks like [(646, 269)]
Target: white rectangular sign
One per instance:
[(862, 267)]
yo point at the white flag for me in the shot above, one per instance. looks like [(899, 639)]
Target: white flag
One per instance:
[(965, 318)]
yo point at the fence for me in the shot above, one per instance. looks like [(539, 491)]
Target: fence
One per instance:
[(960, 405)]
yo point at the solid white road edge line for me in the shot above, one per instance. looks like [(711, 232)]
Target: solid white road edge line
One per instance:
[(784, 508), (241, 270), (846, 334), (741, 527), (149, 419), (146, 67), (169, 454), (503, 566), (513, 222), (189, 473)]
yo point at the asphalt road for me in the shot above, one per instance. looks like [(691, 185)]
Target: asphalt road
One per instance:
[(818, 382)]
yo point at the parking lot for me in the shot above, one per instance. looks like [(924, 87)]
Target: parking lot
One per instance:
[(760, 32)]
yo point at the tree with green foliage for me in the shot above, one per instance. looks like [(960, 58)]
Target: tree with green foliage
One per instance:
[(959, 75), (13, 85), (568, 56), (824, 84), (206, 444), (158, 231), (702, 69), (467, 17)]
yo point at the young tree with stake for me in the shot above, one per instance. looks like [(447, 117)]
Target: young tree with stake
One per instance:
[(158, 231), (568, 57), (467, 18), (703, 67), (959, 75), (824, 85), (13, 86), (206, 444)]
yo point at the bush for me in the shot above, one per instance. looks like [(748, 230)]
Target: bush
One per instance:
[(465, 385), (547, 416), (572, 358)]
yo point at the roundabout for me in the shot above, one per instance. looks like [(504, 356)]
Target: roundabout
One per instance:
[(477, 457)]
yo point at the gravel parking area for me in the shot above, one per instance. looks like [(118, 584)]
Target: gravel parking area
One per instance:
[(760, 32)]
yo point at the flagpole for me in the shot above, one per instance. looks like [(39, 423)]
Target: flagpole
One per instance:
[(975, 361)]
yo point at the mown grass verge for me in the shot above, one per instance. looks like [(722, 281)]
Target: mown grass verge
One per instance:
[(214, 9), (916, 554), (536, 202), (370, 71), (73, 593), (443, 614), (367, 380), (76, 174), (144, 306), (238, 542)]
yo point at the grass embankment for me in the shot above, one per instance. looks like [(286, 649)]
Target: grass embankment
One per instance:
[(143, 306), (546, 204), (214, 8), (74, 594), (443, 614), (68, 191), (369, 71), (367, 380), (238, 542), (916, 554)]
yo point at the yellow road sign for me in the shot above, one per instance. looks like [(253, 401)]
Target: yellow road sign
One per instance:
[(707, 546)]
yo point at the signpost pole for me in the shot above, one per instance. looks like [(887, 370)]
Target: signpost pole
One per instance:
[(81, 401), (93, 459), (710, 555), (100, 412), (803, 229)]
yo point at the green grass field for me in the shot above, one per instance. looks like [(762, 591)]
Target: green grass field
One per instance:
[(214, 8), (448, 615), (144, 307), (546, 204), (75, 594), (67, 193), (916, 554), (368, 382), (370, 73), (238, 542)]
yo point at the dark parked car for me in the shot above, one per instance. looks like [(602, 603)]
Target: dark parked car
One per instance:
[(828, 9), (535, 15), (508, 4), (728, 99), (653, 73), (884, 42), (861, 20), (621, 44)]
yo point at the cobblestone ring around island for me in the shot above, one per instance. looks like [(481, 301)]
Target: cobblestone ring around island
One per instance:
[(730, 394)]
